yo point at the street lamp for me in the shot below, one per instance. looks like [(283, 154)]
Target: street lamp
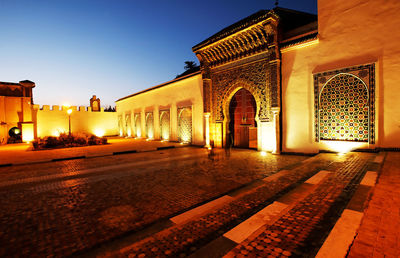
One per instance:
[(69, 111)]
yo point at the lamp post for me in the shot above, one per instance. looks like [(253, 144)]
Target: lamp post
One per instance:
[(69, 111)]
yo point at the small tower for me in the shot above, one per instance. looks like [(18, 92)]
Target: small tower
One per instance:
[(95, 103)]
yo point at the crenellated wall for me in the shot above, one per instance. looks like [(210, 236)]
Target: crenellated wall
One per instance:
[(51, 121)]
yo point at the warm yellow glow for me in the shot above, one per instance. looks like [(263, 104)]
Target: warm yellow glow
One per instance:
[(69, 111), (27, 132), (150, 134), (67, 105), (301, 45), (99, 132), (342, 147), (165, 134), (267, 138), (129, 132), (209, 148), (263, 153), (120, 132), (56, 133), (207, 131)]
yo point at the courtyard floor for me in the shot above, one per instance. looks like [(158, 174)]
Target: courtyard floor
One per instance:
[(180, 201)]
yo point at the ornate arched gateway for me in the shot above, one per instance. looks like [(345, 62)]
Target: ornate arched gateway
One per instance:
[(244, 55)]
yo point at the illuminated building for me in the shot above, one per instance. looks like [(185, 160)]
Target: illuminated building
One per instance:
[(283, 80)]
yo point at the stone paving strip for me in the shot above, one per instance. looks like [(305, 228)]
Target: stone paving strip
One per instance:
[(184, 239), (95, 170), (299, 232), (343, 233), (379, 232), (270, 213)]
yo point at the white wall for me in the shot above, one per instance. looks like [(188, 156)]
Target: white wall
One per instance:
[(350, 33), (177, 93)]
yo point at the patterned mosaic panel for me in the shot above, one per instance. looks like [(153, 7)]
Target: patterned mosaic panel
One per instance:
[(138, 130), (149, 125), (185, 124), (343, 113), (345, 104), (253, 77), (164, 125), (128, 124)]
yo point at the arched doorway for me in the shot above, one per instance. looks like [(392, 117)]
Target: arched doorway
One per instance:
[(242, 124)]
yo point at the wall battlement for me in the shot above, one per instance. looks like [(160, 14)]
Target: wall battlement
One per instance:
[(53, 120), (64, 108)]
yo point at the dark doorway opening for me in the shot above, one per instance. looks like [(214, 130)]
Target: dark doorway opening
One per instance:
[(242, 124)]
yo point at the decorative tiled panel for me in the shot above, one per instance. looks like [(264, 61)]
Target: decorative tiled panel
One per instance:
[(344, 104), (165, 125), (185, 124), (137, 125), (149, 125)]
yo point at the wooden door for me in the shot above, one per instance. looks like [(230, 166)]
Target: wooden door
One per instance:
[(242, 111)]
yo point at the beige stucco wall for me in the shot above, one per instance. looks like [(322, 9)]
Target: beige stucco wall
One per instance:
[(53, 121), (13, 112), (187, 92), (350, 33)]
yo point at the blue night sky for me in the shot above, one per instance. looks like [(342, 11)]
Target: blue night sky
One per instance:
[(110, 48)]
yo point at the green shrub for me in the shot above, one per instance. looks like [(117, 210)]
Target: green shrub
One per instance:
[(65, 140)]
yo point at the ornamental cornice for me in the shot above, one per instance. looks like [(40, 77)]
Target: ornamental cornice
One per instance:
[(249, 41)]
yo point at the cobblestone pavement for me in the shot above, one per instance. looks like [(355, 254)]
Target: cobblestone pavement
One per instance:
[(288, 236), (60, 208), (379, 233), (301, 231)]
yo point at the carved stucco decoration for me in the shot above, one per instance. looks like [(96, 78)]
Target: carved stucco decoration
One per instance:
[(242, 44), (252, 77)]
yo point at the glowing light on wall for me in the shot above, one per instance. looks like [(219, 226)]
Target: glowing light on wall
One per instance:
[(342, 146), (185, 136), (55, 133), (185, 125), (266, 135), (150, 133), (99, 132), (207, 131), (149, 125), (263, 153), (27, 132), (164, 125)]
